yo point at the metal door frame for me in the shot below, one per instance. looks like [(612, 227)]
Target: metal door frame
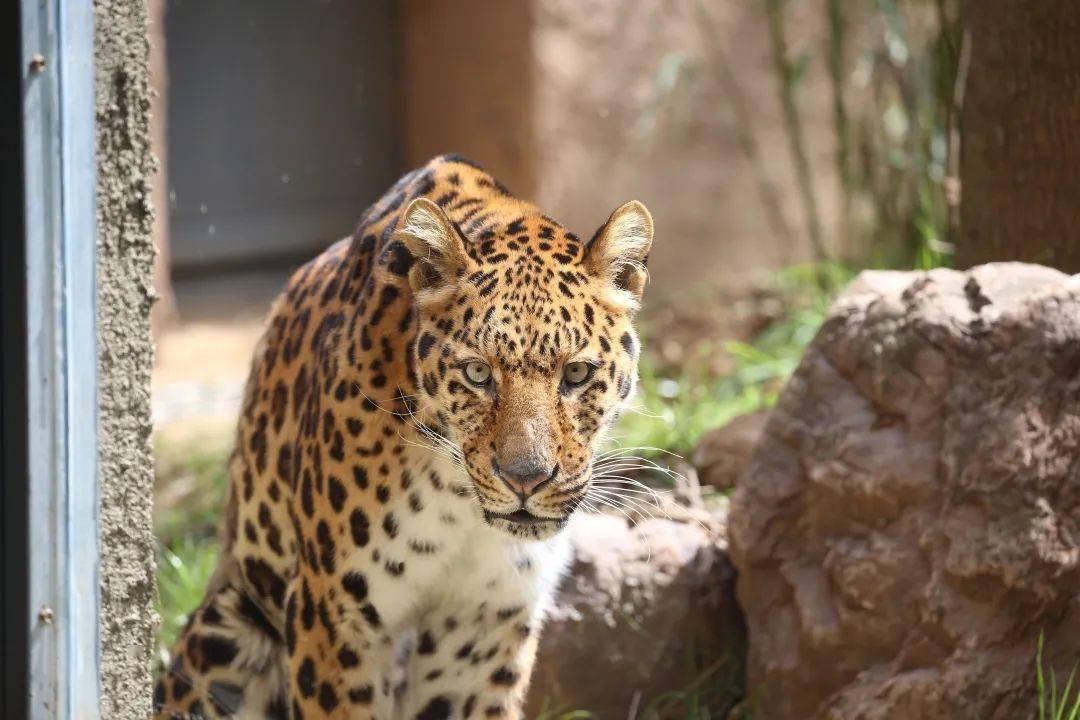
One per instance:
[(50, 382)]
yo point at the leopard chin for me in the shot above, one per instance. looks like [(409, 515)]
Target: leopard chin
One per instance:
[(523, 524)]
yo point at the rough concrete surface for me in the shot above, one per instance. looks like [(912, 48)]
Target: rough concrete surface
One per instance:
[(910, 521), (125, 357)]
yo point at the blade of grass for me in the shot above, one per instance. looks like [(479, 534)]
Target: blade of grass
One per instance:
[(1040, 682), (1053, 692), (1065, 695)]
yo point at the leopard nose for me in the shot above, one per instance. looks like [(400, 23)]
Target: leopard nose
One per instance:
[(524, 476)]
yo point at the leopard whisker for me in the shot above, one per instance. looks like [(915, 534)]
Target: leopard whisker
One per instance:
[(605, 502), (610, 502), (375, 402), (645, 448), (639, 410), (627, 464), (652, 498), (621, 487), (655, 496), (638, 505), (637, 463), (455, 460), (629, 481)]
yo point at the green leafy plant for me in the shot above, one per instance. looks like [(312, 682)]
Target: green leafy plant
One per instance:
[(183, 571), (1052, 706), (895, 113), (673, 412), (674, 409), (710, 694), (190, 483), (900, 133)]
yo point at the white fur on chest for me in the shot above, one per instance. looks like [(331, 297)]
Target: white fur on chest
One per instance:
[(464, 562)]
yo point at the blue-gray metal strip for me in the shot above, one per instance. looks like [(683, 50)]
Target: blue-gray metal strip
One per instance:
[(58, 91), (79, 211)]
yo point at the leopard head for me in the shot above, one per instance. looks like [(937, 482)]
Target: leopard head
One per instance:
[(525, 352)]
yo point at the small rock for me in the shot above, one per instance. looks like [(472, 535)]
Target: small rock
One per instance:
[(643, 610), (721, 454)]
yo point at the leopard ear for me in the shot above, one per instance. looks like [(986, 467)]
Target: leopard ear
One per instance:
[(618, 252), (436, 246)]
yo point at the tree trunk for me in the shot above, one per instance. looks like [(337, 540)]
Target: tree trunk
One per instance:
[(1020, 164)]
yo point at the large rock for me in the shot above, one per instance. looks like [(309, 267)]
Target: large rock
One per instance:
[(910, 521), (645, 610)]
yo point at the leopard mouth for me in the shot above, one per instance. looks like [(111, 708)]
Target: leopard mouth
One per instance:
[(520, 517), (524, 516)]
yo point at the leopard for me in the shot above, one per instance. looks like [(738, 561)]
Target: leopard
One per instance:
[(417, 432)]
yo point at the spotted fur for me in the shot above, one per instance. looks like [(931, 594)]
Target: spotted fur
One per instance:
[(393, 526)]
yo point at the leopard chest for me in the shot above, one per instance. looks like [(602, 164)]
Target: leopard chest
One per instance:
[(434, 553)]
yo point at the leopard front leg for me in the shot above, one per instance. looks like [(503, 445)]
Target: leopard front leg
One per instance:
[(338, 666), (472, 661), (475, 648)]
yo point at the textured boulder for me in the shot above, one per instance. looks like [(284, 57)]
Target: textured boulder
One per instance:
[(910, 521), (644, 610), (721, 455)]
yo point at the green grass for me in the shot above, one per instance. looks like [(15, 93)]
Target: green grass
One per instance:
[(547, 713), (191, 479), (183, 571), (1053, 706), (673, 410), (190, 486), (709, 693)]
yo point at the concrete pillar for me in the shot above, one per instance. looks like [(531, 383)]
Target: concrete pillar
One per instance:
[(125, 257)]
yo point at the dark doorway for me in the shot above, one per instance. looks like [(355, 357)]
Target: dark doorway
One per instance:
[(14, 653), (282, 126)]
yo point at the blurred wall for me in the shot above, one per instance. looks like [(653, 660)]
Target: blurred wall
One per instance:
[(468, 69), (283, 125), (584, 104), (629, 104)]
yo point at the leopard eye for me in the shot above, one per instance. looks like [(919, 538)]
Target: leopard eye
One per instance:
[(576, 373), (478, 373)]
